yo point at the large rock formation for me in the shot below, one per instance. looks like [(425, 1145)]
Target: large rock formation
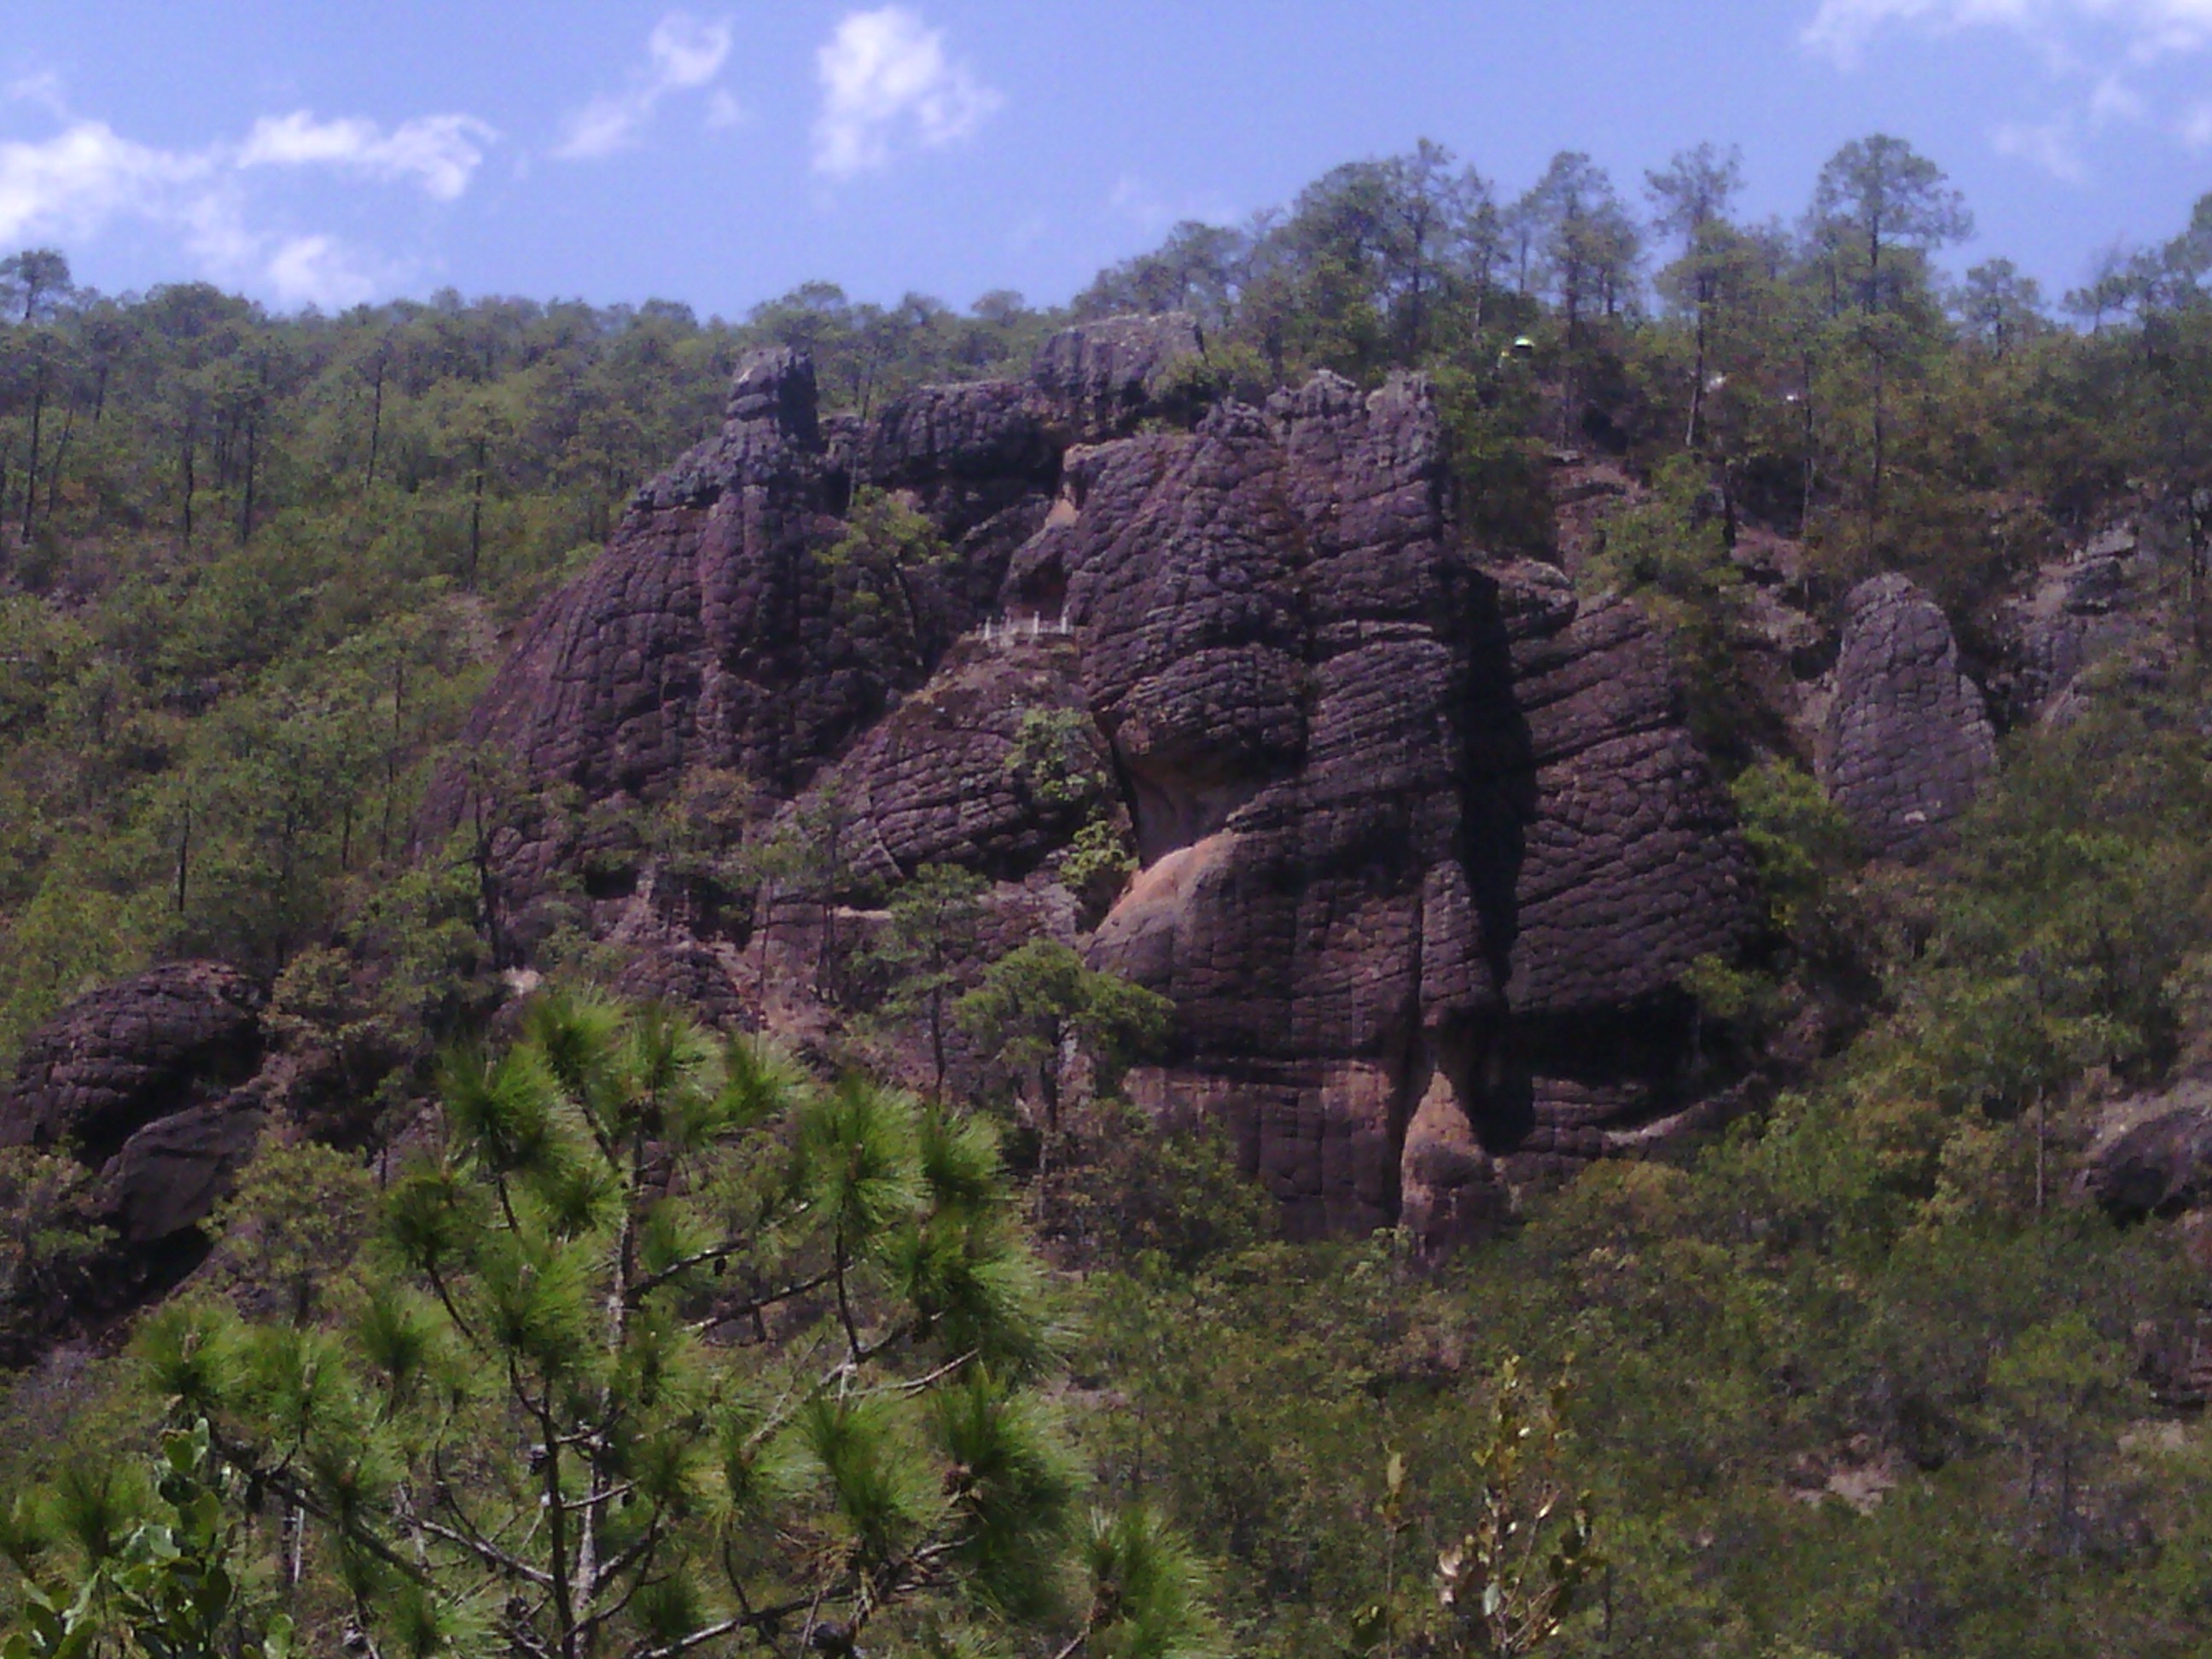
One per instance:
[(1425, 846), (2096, 621), (154, 1082), (1908, 742), (1427, 849), (143, 1049)]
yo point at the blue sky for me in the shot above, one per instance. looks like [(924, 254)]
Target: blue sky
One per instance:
[(316, 153)]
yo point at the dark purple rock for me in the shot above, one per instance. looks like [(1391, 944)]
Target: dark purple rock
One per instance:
[(1908, 742), (1427, 848), (1414, 827), (140, 1049), (1102, 379), (171, 1174), (2162, 1165)]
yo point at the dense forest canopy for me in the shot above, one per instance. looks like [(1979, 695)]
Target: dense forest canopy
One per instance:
[(1857, 1379)]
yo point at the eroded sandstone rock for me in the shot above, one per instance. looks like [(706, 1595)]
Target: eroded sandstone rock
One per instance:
[(1416, 827), (2092, 620), (1106, 377), (946, 778), (1908, 742), (145, 1047), (1425, 846), (170, 1175), (720, 630)]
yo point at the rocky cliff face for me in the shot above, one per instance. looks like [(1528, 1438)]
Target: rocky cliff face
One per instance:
[(1425, 847), (1908, 742), (158, 1044)]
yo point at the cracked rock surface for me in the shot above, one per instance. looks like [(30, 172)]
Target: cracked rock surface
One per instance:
[(1908, 742), (1425, 845)]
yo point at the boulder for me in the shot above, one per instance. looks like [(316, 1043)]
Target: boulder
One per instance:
[(1907, 743), (170, 1175), (130, 1053), (2158, 1159)]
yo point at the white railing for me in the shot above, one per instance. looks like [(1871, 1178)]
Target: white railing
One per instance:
[(1012, 630)]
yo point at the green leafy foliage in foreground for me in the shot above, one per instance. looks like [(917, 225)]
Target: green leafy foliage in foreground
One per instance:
[(666, 1350), (167, 1588)]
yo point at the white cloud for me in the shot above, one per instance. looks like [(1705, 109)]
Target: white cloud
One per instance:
[(74, 185), (884, 73), (2196, 127), (686, 52), (44, 89), (437, 152), (723, 111), (87, 178), (2050, 145), (600, 128), (2114, 100), (2146, 29), (316, 270), (70, 185), (682, 55), (2100, 49)]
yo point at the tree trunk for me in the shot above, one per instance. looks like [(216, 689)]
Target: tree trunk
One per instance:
[(184, 853), (61, 458), (476, 518), (252, 456), (1805, 501), (1880, 441), (392, 758), (1698, 375), (31, 464), (375, 424), (188, 480)]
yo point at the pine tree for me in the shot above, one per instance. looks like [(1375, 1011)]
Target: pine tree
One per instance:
[(670, 1350)]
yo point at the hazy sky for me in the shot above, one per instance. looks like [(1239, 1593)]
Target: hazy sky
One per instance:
[(311, 152)]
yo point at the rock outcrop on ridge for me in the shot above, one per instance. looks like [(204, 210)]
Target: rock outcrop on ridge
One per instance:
[(1426, 849), (1424, 845), (1908, 742), (2159, 1160)]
